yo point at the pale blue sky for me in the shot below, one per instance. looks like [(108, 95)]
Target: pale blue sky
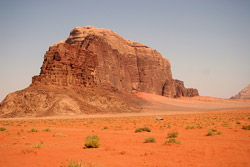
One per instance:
[(207, 42)]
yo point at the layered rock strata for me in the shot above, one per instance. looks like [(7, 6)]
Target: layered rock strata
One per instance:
[(94, 71), (93, 57)]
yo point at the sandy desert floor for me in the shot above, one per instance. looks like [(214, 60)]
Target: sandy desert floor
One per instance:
[(57, 141)]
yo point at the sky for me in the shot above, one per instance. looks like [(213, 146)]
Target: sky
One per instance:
[(206, 41)]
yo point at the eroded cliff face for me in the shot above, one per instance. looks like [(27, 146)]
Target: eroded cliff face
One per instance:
[(94, 71), (93, 57)]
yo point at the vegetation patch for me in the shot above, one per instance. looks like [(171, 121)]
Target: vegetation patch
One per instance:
[(92, 142), (78, 164), (146, 129), (33, 130), (150, 140), (219, 133), (172, 140), (173, 134), (105, 127), (47, 130), (59, 135), (26, 151), (3, 129), (213, 130), (210, 133), (193, 127), (37, 145), (246, 127)]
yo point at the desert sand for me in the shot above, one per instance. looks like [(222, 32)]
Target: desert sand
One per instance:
[(59, 140)]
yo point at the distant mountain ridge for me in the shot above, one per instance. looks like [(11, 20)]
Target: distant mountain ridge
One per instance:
[(243, 94)]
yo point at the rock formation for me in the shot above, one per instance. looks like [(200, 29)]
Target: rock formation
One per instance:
[(95, 59), (243, 94)]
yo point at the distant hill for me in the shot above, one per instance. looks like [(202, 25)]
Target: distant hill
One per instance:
[(243, 94)]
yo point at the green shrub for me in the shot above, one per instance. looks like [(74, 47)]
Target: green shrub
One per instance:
[(210, 133), (173, 134), (3, 129), (78, 164), (189, 127), (146, 129), (59, 135), (246, 127), (219, 133), (150, 140), (75, 164), (34, 130), (92, 142), (38, 145), (47, 130), (213, 130), (26, 151), (105, 127), (172, 140), (193, 127)]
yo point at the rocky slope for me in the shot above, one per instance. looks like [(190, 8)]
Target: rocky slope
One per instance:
[(243, 94), (93, 59)]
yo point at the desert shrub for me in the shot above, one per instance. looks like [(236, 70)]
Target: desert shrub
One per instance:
[(188, 127), (173, 134), (26, 151), (78, 164), (146, 129), (37, 145), (59, 135), (105, 127), (172, 140), (75, 164), (3, 129), (213, 130), (33, 130), (47, 130), (150, 140), (193, 127), (210, 133), (246, 127), (92, 142), (219, 133)]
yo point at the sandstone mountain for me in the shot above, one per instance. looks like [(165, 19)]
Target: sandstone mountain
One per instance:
[(94, 70), (243, 94)]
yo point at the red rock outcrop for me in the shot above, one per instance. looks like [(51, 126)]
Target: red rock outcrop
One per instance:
[(243, 94), (93, 57), (94, 60)]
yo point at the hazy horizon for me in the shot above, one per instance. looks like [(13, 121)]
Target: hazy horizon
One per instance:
[(206, 42)]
